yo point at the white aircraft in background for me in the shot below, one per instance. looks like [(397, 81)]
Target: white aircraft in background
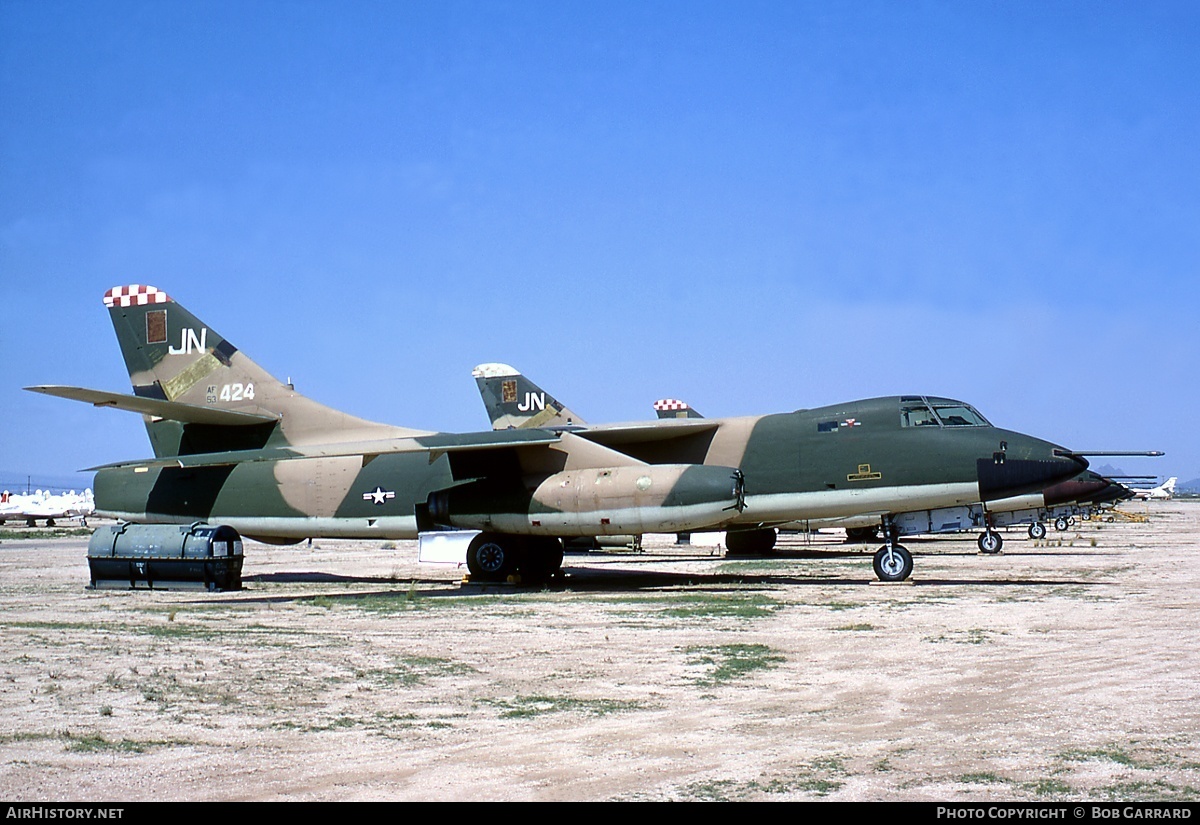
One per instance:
[(1163, 491), (46, 506)]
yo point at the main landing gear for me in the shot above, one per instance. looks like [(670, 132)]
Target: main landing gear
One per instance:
[(1037, 531), (751, 542), (892, 562), (493, 557), (856, 535)]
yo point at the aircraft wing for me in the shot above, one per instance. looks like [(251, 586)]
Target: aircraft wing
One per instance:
[(435, 445), (614, 435), (171, 410)]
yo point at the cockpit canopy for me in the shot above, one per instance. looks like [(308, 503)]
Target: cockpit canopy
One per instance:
[(928, 411)]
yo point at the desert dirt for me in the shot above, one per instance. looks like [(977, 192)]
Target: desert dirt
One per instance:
[(1064, 669)]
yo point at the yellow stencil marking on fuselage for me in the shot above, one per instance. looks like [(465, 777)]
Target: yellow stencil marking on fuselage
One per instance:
[(864, 474)]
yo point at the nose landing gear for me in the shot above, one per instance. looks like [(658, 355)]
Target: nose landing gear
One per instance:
[(892, 562)]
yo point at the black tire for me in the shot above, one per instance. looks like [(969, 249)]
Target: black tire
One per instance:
[(1037, 531), (990, 542), (861, 535), (492, 557), (750, 542), (543, 557), (898, 569), (1061, 524)]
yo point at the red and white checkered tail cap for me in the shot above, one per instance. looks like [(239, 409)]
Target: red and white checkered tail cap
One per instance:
[(670, 404), (134, 295)]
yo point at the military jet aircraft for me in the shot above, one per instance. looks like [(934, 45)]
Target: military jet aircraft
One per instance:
[(235, 446), (1162, 492), (1060, 502)]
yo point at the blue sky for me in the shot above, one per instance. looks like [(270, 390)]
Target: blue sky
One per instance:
[(755, 207)]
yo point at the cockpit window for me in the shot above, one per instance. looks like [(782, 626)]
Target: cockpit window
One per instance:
[(959, 415), (933, 412), (916, 413)]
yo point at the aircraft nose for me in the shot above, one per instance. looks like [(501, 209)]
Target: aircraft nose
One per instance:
[(1027, 466), (1115, 492)]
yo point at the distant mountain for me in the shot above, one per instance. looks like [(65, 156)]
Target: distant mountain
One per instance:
[(1192, 486)]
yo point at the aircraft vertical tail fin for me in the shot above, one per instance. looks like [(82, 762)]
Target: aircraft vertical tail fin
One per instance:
[(673, 408), (173, 356), (515, 402)]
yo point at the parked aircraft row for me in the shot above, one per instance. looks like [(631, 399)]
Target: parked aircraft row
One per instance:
[(235, 446), (43, 505)]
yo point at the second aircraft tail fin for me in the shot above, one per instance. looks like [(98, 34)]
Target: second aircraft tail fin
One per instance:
[(515, 402)]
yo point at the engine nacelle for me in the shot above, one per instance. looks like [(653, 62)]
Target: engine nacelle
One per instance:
[(602, 501)]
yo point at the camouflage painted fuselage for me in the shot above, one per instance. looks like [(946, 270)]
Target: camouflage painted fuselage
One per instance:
[(795, 466), (235, 446)]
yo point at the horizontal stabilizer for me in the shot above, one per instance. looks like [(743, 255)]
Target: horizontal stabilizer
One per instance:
[(170, 410)]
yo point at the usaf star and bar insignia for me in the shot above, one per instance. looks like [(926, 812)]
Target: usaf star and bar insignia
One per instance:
[(378, 495), (834, 426)]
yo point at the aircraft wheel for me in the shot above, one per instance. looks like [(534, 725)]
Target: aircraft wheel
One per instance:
[(750, 542), (543, 557), (1061, 524), (491, 557), (1037, 530), (862, 535), (896, 569), (990, 542)]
